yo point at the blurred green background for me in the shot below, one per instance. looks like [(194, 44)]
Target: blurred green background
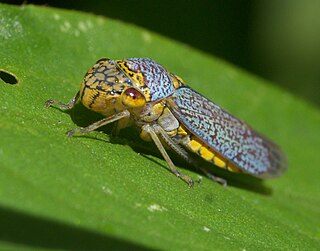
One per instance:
[(277, 40)]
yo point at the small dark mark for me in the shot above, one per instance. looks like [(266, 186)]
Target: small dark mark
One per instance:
[(8, 77), (102, 60)]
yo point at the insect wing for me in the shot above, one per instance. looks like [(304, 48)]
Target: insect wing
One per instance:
[(227, 135)]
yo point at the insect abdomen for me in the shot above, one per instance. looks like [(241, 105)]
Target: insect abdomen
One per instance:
[(209, 155)]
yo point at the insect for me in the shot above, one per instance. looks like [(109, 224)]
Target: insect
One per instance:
[(141, 92)]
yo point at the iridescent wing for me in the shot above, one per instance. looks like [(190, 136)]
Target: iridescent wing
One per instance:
[(227, 135)]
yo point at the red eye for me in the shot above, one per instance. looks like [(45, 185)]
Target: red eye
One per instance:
[(133, 93), (133, 98)]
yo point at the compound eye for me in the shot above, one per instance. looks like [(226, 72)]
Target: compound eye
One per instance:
[(133, 98)]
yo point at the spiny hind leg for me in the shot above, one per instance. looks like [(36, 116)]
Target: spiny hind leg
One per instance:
[(186, 156), (217, 179)]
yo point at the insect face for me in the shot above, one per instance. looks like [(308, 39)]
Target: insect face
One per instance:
[(102, 87)]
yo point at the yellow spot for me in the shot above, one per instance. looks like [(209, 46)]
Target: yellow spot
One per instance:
[(177, 81), (219, 162), (157, 109), (206, 154), (182, 132), (180, 79), (145, 136), (194, 145)]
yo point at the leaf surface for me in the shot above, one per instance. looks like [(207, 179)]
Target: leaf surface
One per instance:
[(95, 192)]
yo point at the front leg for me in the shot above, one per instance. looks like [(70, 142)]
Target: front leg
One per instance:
[(69, 105), (95, 125), (100, 123)]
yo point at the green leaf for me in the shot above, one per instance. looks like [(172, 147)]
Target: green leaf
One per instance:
[(95, 192)]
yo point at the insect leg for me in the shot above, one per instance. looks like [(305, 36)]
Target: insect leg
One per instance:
[(69, 105), (153, 134), (100, 123), (217, 179), (184, 154), (172, 144)]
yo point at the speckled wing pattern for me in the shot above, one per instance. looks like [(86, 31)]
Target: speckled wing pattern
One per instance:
[(155, 76), (226, 134)]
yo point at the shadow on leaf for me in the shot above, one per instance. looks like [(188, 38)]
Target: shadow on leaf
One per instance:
[(23, 229)]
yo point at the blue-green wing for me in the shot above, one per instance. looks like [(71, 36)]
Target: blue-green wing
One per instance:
[(227, 135)]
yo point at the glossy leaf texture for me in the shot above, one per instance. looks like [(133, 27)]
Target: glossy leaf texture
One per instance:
[(96, 192)]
